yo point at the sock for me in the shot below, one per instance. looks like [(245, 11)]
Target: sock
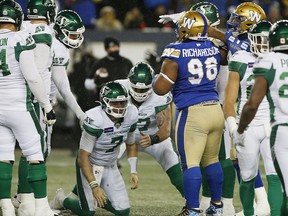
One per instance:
[(74, 206), (258, 180), (284, 208), (205, 187), (38, 179), (176, 177), (275, 194), (5, 180), (214, 175), (108, 206), (23, 183), (192, 183), (247, 196), (229, 178)]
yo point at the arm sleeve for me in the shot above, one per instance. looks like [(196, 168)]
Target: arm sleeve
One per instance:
[(60, 79), (42, 55), (222, 80), (87, 142), (32, 77)]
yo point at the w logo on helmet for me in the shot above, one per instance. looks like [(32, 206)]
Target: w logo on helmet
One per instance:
[(188, 23), (254, 15)]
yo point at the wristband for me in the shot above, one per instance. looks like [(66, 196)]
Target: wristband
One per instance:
[(154, 139), (133, 164), (93, 184)]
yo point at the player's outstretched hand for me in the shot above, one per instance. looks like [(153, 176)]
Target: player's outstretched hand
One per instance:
[(170, 17), (134, 180), (99, 196)]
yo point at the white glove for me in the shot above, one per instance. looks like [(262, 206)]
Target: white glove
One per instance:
[(238, 139), (81, 120), (170, 17)]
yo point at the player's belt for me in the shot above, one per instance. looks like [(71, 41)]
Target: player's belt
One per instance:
[(207, 103)]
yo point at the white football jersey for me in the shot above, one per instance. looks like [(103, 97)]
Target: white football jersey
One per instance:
[(147, 122), (61, 59), (14, 91), (109, 135), (274, 67), (42, 34), (243, 62)]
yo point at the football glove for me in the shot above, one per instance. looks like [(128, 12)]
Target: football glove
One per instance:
[(238, 139), (170, 17), (49, 117)]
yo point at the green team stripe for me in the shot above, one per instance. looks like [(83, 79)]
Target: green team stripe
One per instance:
[(92, 131), (269, 74), (133, 127), (161, 108), (18, 49), (238, 67), (29, 104), (271, 106), (43, 38), (38, 128), (80, 188)]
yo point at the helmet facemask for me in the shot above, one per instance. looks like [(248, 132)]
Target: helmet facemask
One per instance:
[(259, 42), (140, 92), (73, 39), (116, 107)]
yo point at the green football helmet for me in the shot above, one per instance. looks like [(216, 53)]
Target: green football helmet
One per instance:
[(140, 78), (277, 38), (41, 9), (114, 98), (69, 28), (11, 12), (209, 10), (258, 36)]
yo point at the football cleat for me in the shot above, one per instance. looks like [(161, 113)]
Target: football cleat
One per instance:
[(57, 202), (214, 210)]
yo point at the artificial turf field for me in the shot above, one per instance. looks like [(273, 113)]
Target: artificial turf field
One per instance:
[(154, 197)]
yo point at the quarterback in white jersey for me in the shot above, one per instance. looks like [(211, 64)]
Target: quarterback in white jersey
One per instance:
[(18, 120), (241, 81), (154, 121), (271, 80), (99, 181)]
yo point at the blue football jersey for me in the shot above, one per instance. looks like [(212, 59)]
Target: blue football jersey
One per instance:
[(241, 42), (198, 66)]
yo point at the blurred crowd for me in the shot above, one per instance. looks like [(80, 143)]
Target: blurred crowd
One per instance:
[(116, 15)]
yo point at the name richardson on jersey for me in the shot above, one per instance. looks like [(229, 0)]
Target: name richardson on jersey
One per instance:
[(196, 52)]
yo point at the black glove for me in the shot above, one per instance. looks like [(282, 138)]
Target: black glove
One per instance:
[(49, 117)]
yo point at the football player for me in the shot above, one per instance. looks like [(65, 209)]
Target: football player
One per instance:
[(239, 86), (191, 71), (40, 14), (18, 118), (241, 20), (154, 122), (270, 73), (99, 180)]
